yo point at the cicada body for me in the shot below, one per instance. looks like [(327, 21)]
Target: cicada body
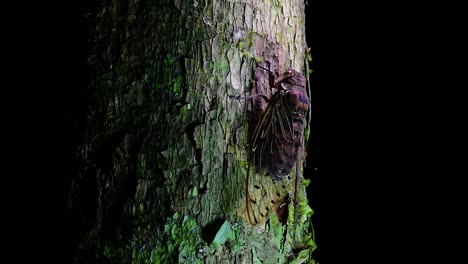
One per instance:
[(278, 135), (276, 145)]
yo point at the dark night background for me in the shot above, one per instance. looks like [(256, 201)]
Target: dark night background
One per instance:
[(364, 139)]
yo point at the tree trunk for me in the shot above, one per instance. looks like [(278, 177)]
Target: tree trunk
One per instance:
[(163, 152)]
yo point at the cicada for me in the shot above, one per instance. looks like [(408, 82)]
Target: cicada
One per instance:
[(276, 146)]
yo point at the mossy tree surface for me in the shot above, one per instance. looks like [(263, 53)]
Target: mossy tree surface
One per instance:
[(164, 151)]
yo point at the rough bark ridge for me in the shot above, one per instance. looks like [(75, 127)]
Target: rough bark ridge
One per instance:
[(163, 154)]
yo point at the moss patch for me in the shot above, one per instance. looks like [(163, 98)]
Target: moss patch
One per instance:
[(177, 245)]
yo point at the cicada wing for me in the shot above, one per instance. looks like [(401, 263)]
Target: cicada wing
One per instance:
[(269, 151)]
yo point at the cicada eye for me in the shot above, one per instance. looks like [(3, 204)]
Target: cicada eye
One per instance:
[(288, 73)]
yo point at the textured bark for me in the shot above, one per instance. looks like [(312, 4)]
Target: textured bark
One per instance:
[(163, 152)]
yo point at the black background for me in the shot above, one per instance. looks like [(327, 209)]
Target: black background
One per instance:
[(380, 117)]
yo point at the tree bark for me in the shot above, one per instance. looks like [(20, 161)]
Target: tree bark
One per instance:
[(163, 153)]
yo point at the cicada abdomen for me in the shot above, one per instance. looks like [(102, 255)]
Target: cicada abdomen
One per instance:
[(275, 146)]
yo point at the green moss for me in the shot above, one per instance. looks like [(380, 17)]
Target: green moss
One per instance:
[(304, 211), (243, 163), (165, 76), (277, 229), (176, 85), (181, 237), (304, 237), (117, 254), (309, 56), (236, 237), (245, 47), (218, 68), (277, 3), (307, 134), (247, 54), (305, 182), (309, 241), (308, 59)]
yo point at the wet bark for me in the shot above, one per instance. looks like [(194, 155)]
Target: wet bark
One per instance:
[(162, 155)]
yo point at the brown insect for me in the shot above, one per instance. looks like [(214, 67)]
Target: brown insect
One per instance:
[(279, 132), (276, 146)]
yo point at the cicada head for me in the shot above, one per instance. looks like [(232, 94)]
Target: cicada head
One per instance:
[(291, 79)]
